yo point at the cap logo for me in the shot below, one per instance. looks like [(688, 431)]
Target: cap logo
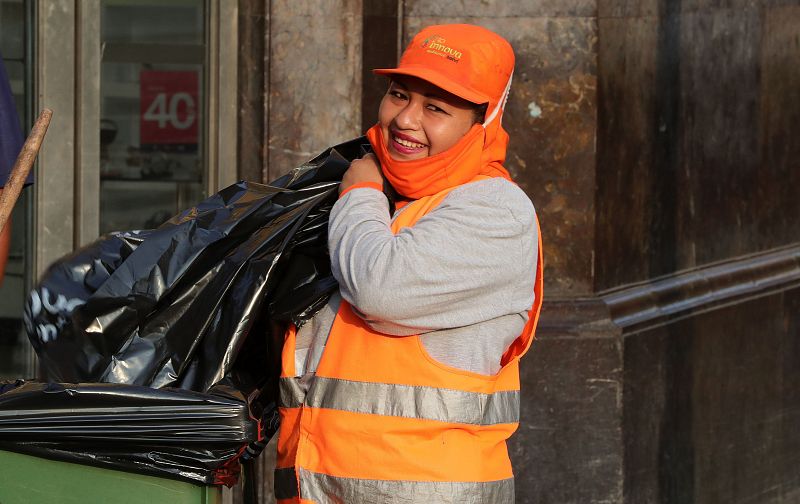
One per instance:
[(435, 44)]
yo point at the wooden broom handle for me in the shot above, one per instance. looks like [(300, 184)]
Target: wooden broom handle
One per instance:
[(22, 166)]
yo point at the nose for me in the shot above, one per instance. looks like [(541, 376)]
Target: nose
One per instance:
[(410, 116)]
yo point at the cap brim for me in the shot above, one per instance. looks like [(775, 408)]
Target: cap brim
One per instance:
[(438, 80)]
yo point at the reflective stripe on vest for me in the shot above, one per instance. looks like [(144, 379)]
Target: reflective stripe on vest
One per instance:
[(291, 393), (319, 487), (427, 403)]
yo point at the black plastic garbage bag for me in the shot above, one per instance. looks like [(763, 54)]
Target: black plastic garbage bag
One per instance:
[(193, 309), (174, 306), (168, 432)]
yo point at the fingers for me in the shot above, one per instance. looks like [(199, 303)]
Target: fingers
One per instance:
[(366, 169)]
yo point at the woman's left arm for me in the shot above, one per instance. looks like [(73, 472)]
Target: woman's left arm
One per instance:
[(471, 259)]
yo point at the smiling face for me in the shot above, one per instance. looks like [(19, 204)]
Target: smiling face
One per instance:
[(419, 119)]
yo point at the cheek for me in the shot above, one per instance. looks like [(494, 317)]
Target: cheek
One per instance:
[(444, 135), (385, 113), (384, 120)]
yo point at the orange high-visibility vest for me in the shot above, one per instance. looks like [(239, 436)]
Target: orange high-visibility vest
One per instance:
[(382, 421)]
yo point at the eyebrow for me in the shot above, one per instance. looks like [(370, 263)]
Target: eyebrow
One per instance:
[(426, 95)]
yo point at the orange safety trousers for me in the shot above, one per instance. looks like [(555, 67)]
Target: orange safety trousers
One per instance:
[(382, 421)]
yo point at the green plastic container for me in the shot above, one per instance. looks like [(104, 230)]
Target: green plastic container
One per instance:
[(32, 480)]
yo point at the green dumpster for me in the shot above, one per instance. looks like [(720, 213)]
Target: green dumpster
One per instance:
[(32, 480), (87, 443)]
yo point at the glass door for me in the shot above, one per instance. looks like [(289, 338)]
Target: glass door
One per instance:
[(152, 111)]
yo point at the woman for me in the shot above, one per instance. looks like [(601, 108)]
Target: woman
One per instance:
[(406, 386)]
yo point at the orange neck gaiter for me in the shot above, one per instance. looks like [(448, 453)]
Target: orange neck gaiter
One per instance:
[(457, 165)]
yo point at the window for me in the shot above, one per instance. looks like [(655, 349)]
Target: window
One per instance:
[(151, 111)]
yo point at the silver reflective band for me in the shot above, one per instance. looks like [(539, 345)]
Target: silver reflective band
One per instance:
[(291, 393), (325, 489), (427, 403), (285, 483)]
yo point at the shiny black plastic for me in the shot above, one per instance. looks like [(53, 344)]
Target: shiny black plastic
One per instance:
[(197, 304), (168, 432), (173, 306)]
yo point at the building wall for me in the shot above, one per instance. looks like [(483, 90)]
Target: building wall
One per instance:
[(697, 99), (695, 196), (712, 405), (301, 85), (655, 139)]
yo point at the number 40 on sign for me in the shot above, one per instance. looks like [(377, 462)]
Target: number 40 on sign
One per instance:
[(168, 107)]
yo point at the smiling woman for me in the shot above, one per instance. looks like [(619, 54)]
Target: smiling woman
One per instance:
[(405, 387)]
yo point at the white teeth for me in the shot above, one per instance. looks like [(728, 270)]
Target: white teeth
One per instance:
[(406, 143)]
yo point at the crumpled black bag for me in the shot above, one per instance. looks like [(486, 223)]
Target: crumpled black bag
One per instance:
[(162, 432), (173, 306), (192, 305)]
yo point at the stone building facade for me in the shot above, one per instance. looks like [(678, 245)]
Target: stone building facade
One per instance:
[(656, 139)]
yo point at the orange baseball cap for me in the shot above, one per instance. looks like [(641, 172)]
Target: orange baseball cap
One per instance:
[(469, 61)]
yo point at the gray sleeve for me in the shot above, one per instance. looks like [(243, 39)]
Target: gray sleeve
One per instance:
[(471, 259)]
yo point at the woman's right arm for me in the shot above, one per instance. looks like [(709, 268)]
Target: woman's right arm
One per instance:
[(471, 259)]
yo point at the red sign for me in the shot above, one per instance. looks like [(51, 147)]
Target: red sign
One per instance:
[(168, 108)]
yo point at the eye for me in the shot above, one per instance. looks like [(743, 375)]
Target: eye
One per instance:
[(434, 108), (397, 94)]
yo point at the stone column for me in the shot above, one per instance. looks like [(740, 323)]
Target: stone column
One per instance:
[(314, 79), (299, 92)]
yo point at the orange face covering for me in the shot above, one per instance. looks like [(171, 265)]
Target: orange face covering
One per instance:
[(480, 72), (461, 163)]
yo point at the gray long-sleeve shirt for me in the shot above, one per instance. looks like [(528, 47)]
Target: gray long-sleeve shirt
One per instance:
[(461, 277)]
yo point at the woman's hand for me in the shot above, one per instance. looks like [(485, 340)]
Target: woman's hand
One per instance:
[(366, 169)]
